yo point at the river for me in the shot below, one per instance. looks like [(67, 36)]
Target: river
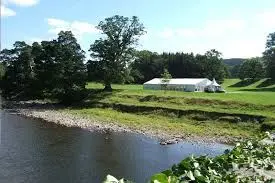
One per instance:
[(33, 151)]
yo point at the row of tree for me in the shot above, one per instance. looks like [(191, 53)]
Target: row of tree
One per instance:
[(51, 69), (57, 68), (147, 65)]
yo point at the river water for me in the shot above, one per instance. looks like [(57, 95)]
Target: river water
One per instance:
[(33, 151)]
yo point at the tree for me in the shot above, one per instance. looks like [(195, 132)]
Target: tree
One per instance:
[(19, 74), (213, 66), (94, 70), (165, 78), (116, 48), (69, 69), (50, 69), (269, 55), (182, 65), (146, 65), (234, 71), (252, 69)]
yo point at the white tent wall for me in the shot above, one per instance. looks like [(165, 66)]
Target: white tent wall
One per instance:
[(179, 84), (201, 85), (151, 87)]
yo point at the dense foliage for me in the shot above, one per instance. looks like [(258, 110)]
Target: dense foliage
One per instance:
[(233, 65), (252, 69), (19, 69), (250, 161), (50, 69)]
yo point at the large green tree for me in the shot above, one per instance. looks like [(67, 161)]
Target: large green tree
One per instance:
[(51, 69), (19, 74), (116, 48), (46, 70), (269, 55), (70, 64), (212, 65), (59, 67), (252, 69)]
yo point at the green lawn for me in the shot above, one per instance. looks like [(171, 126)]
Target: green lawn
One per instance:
[(249, 98), (246, 94)]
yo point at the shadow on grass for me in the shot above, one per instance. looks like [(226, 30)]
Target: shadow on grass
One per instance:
[(260, 90), (266, 83), (93, 98), (90, 98), (244, 83)]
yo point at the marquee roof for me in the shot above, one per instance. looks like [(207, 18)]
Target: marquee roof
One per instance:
[(179, 81)]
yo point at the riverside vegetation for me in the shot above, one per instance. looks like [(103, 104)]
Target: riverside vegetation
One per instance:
[(249, 161), (55, 71), (225, 117)]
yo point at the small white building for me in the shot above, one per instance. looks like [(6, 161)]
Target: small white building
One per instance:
[(178, 84)]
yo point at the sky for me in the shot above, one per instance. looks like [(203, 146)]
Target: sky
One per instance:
[(236, 28)]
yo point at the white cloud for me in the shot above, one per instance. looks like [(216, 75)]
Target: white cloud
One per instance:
[(24, 3), (6, 12), (77, 27), (234, 37), (243, 48), (215, 28), (57, 23)]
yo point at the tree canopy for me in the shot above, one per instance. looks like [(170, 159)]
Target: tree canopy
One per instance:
[(148, 65), (115, 49), (53, 68), (252, 69)]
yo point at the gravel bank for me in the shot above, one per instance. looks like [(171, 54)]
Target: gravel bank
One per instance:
[(55, 114)]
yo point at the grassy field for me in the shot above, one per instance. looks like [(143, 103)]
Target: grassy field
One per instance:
[(240, 112), (240, 93)]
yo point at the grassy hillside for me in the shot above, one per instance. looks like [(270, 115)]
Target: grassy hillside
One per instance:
[(241, 112)]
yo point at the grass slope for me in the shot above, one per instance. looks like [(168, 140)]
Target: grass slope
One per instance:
[(242, 98)]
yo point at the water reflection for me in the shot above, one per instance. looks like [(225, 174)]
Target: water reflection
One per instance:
[(36, 151)]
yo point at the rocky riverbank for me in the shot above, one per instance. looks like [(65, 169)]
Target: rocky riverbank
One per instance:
[(54, 113)]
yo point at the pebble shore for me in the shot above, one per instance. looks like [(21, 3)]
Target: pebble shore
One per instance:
[(63, 117)]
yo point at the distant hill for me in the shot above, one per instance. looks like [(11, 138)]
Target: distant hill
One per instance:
[(231, 62), (233, 65)]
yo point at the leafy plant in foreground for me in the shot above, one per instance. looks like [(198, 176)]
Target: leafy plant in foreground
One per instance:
[(249, 161)]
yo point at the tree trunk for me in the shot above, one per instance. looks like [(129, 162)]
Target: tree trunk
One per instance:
[(108, 87)]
